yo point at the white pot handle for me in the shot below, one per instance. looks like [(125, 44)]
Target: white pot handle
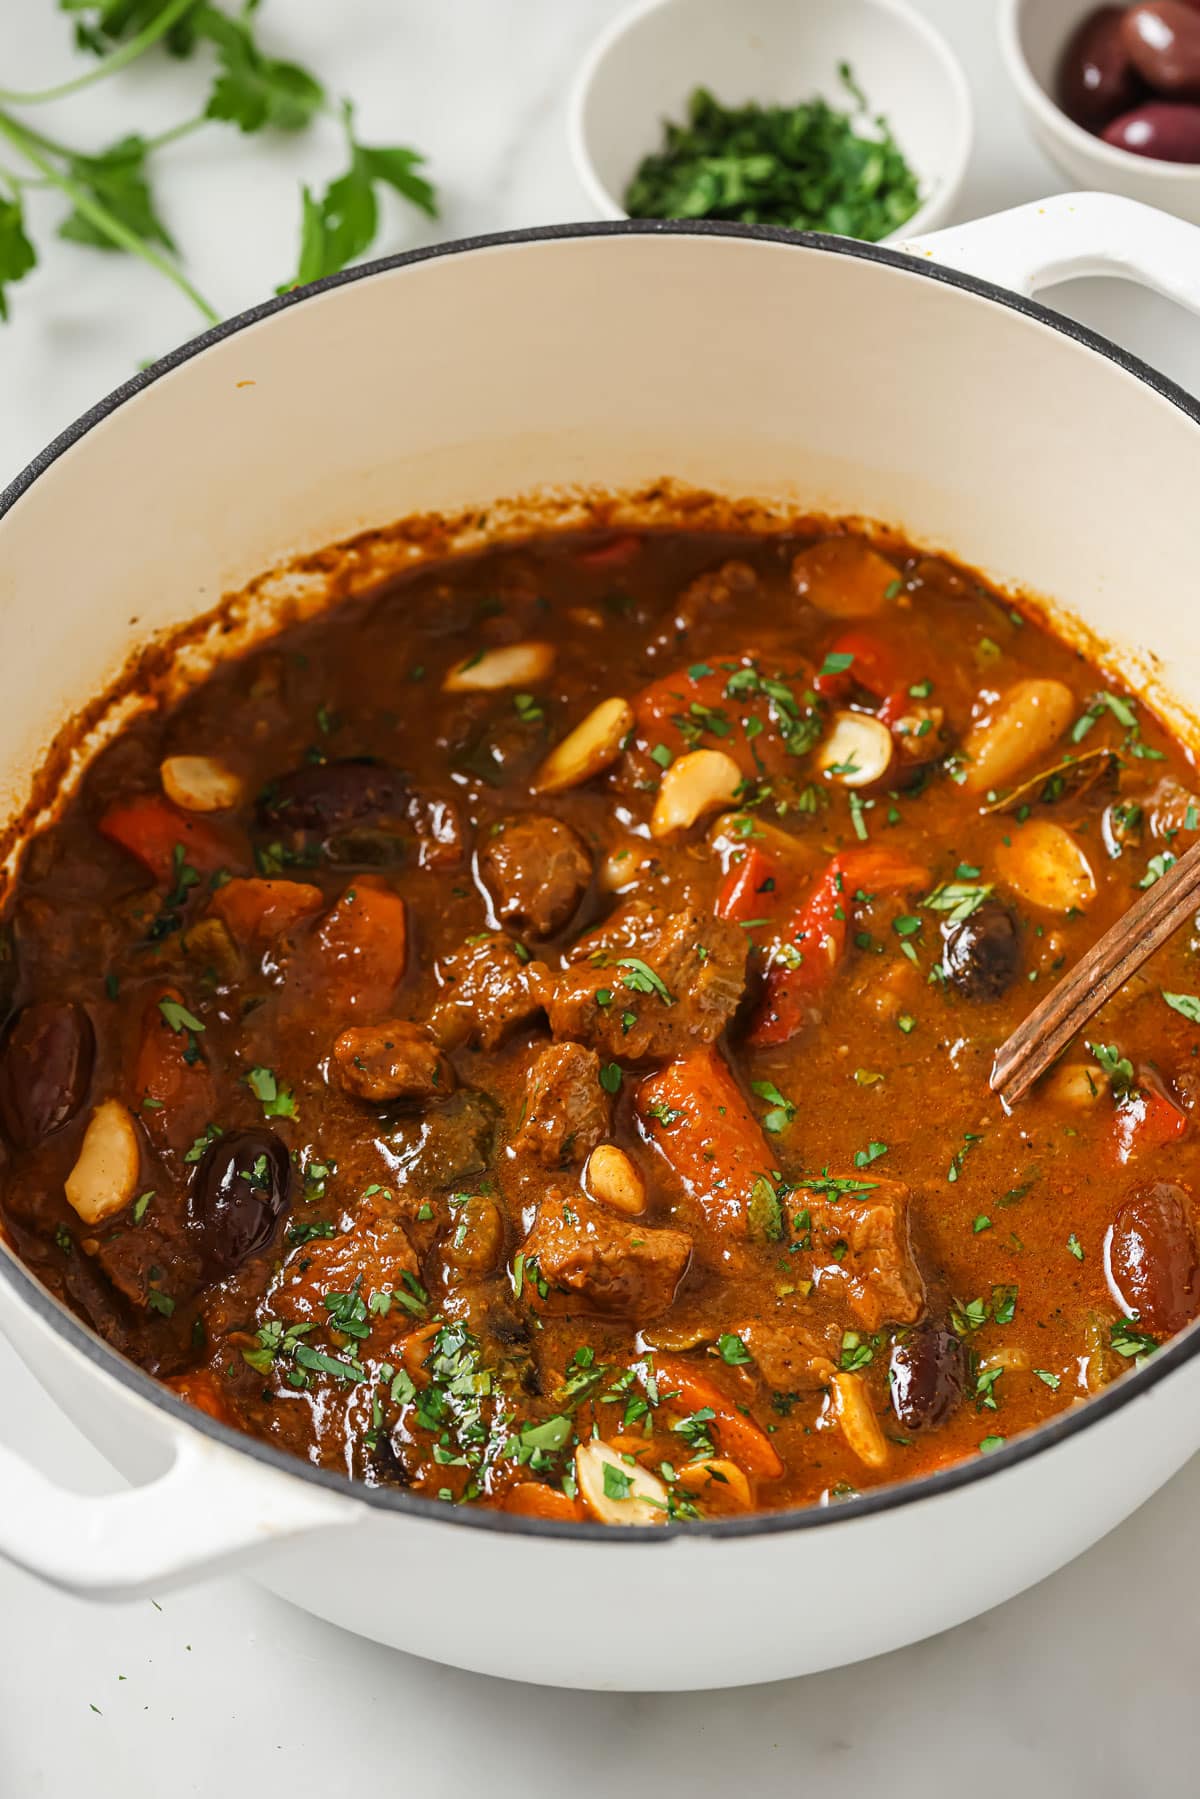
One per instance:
[(1073, 235), (211, 1510)]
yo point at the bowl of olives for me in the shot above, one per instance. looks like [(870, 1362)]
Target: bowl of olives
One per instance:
[(1112, 93)]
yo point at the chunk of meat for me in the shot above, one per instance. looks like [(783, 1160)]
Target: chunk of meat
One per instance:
[(682, 992), (255, 912), (566, 1109), (790, 1359), (594, 1264), (717, 594), (388, 1061), (455, 1142), (694, 1114), (173, 1092), (490, 992), (377, 1254), (361, 947), (860, 1242), (537, 870)]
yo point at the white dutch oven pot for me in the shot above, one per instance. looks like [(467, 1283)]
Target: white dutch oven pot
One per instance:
[(812, 370)]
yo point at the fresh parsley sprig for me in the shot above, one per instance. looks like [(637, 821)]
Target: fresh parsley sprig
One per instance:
[(112, 203)]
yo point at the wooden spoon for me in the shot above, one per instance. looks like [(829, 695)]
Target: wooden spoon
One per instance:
[(1041, 1039)]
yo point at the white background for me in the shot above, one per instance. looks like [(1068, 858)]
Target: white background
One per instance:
[(1086, 1686)]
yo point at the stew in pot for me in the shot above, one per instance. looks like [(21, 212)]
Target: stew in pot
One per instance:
[(524, 1036)]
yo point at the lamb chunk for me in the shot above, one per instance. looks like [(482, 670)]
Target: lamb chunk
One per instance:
[(596, 1265), (490, 992), (617, 1005), (537, 870), (790, 1360), (713, 595), (455, 1142), (375, 1253), (566, 1109), (388, 1061), (624, 933), (155, 1255), (882, 1281)]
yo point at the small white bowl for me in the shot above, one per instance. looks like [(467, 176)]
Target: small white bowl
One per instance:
[(1033, 35), (643, 69)]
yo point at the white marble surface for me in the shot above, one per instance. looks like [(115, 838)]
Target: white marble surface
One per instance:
[(1083, 1687)]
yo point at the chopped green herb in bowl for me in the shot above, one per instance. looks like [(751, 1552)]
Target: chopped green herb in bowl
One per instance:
[(807, 167)]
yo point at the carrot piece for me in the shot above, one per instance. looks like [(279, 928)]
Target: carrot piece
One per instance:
[(1148, 1120), (742, 894), (256, 910), (151, 829), (172, 1095), (743, 1441), (533, 1499), (362, 947), (200, 1389), (693, 1113), (614, 554), (820, 929), (873, 666)]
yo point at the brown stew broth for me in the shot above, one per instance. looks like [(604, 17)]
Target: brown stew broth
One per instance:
[(850, 1267)]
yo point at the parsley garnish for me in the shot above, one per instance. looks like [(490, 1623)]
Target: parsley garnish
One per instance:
[(782, 1110), (277, 1101), (639, 977)]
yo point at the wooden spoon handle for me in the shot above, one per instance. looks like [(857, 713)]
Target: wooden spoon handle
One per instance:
[(1036, 1043)]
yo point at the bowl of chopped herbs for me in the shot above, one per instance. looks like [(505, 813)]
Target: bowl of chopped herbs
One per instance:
[(846, 116)]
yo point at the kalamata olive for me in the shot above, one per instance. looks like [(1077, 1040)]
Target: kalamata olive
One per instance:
[(45, 1069), (1150, 1258), (1162, 40), (330, 796), (928, 1378), (1170, 133), (982, 954), (1096, 76), (240, 1188)]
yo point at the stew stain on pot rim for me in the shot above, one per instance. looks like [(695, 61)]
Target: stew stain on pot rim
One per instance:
[(1127, 1388)]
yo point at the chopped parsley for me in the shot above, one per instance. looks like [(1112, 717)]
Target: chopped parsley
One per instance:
[(639, 977), (782, 1110)]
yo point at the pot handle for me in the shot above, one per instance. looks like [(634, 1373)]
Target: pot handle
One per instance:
[(210, 1511), (1073, 235)]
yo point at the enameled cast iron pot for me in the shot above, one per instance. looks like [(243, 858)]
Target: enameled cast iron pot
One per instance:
[(844, 377)]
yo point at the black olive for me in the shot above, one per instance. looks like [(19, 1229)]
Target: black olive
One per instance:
[(240, 1189), (45, 1069), (330, 796), (982, 954), (928, 1378)]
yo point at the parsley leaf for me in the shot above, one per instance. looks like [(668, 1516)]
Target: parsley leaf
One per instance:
[(782, 1110), (641, 978), (253, 90), (341, 224)]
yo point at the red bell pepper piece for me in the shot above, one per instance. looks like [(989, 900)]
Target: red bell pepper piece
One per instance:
[(1148, 1119), (151, 829), (820, 930), (745, 892), (874, 667), (614, 554)]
